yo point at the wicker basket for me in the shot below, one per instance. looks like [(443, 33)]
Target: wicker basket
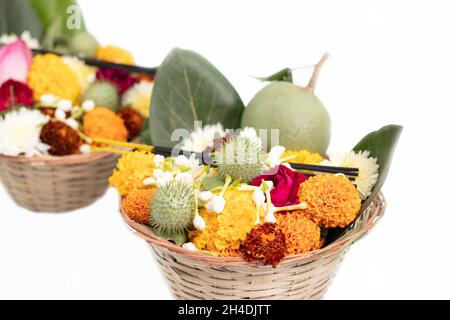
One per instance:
[(57, 184), (192, 275)]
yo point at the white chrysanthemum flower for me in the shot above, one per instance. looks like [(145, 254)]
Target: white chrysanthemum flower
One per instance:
[(200, 139), (139, 97), (20, 131), (84, 72), (368, 169), (31, 42)]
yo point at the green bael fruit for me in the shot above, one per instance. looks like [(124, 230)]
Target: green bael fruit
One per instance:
[(103, 94), (303, 121), (173, 208), (239, 158), (84, 44)]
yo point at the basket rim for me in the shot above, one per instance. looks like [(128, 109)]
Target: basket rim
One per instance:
[(145, 233), (56, 160)]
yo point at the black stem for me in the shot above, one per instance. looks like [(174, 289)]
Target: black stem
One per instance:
[(105, 64)]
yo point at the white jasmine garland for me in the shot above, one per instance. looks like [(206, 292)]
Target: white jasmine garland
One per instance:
[(85, 149), (48, 100), (270, 215), (199, 222), (184, 176), (60, 115), (19, 133), (216, 204), (158, 161), (189, 246), (64, 104), (88, 105), (258, 197), (72, 123), (182, 162), (205, 196), (150, 181)]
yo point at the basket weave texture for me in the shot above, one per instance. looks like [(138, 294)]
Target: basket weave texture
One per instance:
[(193, 275), (57, 184)]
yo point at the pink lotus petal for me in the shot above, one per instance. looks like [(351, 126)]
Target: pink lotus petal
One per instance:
[(15, 61)]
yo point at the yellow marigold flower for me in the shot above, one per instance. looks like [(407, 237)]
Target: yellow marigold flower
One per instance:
[(101, 122), (302, 156), (132, 168), (137, 204), (49, 74), (302, 234), (225, 232), (114, 54), (332, 200)]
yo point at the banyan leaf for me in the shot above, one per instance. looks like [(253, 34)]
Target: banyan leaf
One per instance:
[(189, 88), (381, 145), (18, 16), (282, 75), (144, 137), (67, 11)]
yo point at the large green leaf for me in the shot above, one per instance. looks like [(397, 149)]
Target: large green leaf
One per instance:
[(50, 10), (188, 88), (17, 16), (381, 145)]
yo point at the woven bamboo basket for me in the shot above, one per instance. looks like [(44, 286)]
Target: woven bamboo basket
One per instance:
[(194, 276), (57, 184)]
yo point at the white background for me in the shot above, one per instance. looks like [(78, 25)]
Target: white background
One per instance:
[(389, 64)]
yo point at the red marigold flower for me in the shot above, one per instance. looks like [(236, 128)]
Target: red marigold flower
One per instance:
[(118, 77), (265, 242), (285, 185), (14, 93)]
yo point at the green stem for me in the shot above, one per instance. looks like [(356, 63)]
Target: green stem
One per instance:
[(225, 186), (77, 114)]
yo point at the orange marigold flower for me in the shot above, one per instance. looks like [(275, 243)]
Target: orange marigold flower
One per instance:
[(49, 74), (302, 234), (225, 232), (101, 122), (265, 242), (137, 204), (132, 168), (332, 200), (114, 54)]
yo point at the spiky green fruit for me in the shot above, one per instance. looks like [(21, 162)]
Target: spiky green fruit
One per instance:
[(103, 94), (84, 44), (173, 208), (240, 158)]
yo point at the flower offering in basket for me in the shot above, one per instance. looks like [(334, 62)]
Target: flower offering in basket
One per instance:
[(56, 111), (235, 213)]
